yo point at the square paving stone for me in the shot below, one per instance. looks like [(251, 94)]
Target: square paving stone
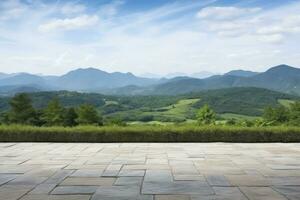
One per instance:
[(120, 193), (27, 180), (56, 197), (288, 190), (188, 177), (59, 176), (132, 173), (262, 193), (179, 187), (248, 180), (72, 190), (217, 180), (172, 197), (88, 181), (43, 189), (13, 192), (87, 173), (4, 178), (285, 181), (129, 181)]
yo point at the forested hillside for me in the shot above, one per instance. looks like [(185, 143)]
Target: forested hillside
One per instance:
[(242, 101)]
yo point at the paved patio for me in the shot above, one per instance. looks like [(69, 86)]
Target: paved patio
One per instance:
[(57, 171)]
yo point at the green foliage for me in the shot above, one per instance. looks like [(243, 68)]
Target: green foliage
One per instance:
[(53, 114), (69, 117), (245, 101), (276, 115), (283, 115), (149, 133), (87, 115), (116, 121), (295, 113), (231, 122), (206, 115), (21, 111)]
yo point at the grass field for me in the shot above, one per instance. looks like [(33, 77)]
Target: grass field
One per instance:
[(149, 133), (182, 109), (285, 102), (238, 117)]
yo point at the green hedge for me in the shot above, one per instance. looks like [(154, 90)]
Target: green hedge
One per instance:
[(15, 133)]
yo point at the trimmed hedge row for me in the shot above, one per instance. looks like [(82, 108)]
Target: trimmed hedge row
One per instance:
[(15, 133)]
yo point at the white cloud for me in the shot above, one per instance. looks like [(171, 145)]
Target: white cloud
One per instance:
[(72, 8), (289, 24), (110, 9), (163, 39), (272, 38), (11, 9), (225, 13), (69, 23)]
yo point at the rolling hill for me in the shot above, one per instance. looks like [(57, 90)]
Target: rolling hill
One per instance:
[(92, 79), (282, 78), (241, 73), (237, 101)]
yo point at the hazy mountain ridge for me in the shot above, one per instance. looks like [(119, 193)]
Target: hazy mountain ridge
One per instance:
[(241, 73), (282, 78)]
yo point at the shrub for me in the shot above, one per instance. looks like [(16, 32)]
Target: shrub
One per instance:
[(147, 133), (53, 114), (206, 115), (88, 115), (22, 111)]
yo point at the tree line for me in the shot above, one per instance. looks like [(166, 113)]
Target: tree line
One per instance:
[(272, 116), (22, 112)]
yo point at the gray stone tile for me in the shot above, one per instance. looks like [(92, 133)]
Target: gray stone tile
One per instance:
[(4, 178), (214, 171), (217, 180), (172, 197), (59, 176), (27, 180), (262, 193), (56, 197), (132, 173), (129, 181), (120, 193), (13, 192), (180, 187), (288, 190), (85, 181), (87, 173), (72, 190), (42, 189)]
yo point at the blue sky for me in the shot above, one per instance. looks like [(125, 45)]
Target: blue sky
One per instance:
[(140, 36)]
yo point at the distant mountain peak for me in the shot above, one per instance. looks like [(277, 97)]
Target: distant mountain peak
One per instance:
[(241, 73), (282, 67)]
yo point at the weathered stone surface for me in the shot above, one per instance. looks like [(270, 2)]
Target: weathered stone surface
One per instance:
[(172, 197), (70, 190), (262, 193), (148, 171), (86, 181)]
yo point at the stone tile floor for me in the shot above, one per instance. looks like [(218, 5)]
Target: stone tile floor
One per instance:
[(149, 171)]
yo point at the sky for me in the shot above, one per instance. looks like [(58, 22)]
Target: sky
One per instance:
[(148, 36)]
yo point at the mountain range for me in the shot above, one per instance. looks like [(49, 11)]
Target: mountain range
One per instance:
[(281, 78)]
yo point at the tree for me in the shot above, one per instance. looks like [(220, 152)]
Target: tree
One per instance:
[(53, 114), (87, 115), (295, 113), (277, 115), (69, 117), (206, 115), (22, 111)]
